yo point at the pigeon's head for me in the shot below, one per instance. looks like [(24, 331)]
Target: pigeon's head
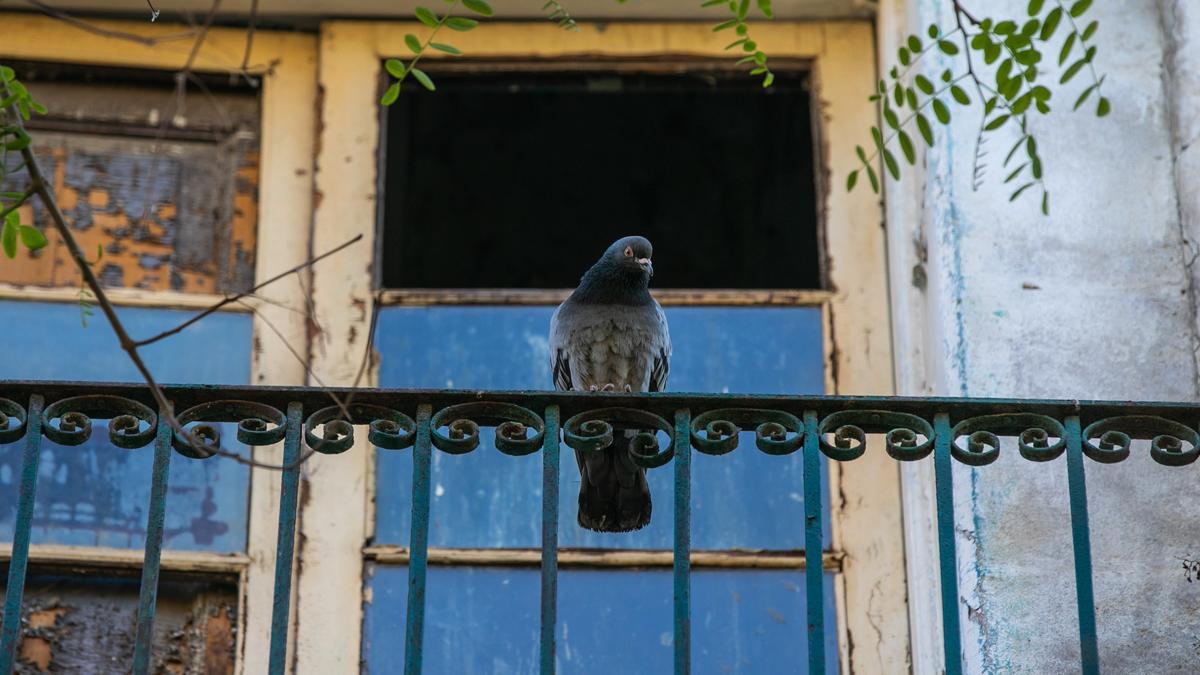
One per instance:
[(632, 254)]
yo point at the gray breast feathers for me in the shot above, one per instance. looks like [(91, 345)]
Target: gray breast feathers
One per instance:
[(621, 345)]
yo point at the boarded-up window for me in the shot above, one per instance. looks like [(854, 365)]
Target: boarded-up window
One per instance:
[(156, 206)]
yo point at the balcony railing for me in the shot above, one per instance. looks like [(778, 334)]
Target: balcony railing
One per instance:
[(966, 430)]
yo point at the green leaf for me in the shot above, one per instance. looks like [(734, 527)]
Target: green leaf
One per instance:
[(1089, 31), (38, 107), (926, 130), (924, 84), (960, 95), (996, 123), (1080, 7), (20, 139), (706, 3), (7, 74), (764, 6), (941, 110), (1031, 147), (743, 9), (1005, 28), (914, 43), (1072, 71), (735, 43), (1013, 152), (877, 137), (902, 56), (1084, 96), (906, 146), (889, 116), (13, 195), (862, 154), (1051, 24), (479, 7), (1031, 26), (460, 24), (948, 47), (1035, 7), (768, 80), (898, 92), (422, 78), (725, 24), (1103, 107), (395, 67), (1018, 192), (851, 180), (991, 53), (1028, 57), (933, 31), (749, 46), (413, 44), (449, 49), (1065, 52), (9, 238), (893, 167), (1035, 165), (389, 97), (32, 237), (1045, 203), (1016, 172), (910, 95), (873, 178), (426, 17)]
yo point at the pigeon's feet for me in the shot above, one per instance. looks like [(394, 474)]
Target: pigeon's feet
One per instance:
[(610, 387), (628, 389), (593, 389)]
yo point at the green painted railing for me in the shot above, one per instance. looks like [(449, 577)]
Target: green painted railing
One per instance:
[(963, 430)]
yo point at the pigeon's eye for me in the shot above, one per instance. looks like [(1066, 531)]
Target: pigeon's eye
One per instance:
[(628, 251)]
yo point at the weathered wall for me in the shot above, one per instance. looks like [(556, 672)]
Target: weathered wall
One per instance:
[(1095, 301)]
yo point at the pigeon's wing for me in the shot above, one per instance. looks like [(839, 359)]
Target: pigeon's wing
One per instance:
[(560, 356), (660, 361)]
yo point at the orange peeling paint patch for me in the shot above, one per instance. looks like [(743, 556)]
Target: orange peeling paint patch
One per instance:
[(36, 651)]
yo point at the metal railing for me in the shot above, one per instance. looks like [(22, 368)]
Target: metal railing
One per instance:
[(966, 430)]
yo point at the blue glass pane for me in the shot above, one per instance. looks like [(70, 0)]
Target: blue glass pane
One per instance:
[(485, 620), (97, 494), (742, 500)]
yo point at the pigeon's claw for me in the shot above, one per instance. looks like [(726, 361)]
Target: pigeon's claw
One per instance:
[(628, 389), (609, 387), (593, 388)]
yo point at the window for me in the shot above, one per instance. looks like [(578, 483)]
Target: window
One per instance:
[(169, 223), (490, 286), (537, 173)]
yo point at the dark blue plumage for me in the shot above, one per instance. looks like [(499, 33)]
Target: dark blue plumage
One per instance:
[(610, 334)]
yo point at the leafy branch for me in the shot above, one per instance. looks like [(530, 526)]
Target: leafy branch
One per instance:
[(397, 68), (560, 16), (13, 138), (1010, 92), (739, 10)]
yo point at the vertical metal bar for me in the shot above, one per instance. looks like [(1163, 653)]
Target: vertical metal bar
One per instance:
[(418, 547), (148, 596), (683, 542), (11, 632), (1081, 539), (948, 559), (814, 573), (285, 543), (549, 539)]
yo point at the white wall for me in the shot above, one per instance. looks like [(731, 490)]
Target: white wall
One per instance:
[(1095, 301)]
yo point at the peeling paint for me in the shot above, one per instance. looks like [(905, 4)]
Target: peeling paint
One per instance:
[(182, 218)]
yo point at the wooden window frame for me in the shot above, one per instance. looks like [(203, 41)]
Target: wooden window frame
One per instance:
[(287, 66), (872, 610)]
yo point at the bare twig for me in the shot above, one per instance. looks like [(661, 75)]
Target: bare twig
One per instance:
[(56, 13), (229, 299), (250, 22)]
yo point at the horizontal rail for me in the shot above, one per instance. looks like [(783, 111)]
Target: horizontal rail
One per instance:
[(605, 558), (421, 297), (130, 559), (663, 404)]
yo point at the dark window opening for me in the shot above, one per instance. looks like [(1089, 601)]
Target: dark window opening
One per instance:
[(521, 179)]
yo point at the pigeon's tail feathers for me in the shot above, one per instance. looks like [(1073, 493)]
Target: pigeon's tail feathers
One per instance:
[(613, 493)]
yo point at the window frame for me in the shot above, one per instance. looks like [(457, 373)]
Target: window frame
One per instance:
[(287, 66), (867, 531)]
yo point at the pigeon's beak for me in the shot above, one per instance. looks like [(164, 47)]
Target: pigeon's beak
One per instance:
[(645, 264)]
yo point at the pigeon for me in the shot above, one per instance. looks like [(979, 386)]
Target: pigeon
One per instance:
[(611, 335)]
